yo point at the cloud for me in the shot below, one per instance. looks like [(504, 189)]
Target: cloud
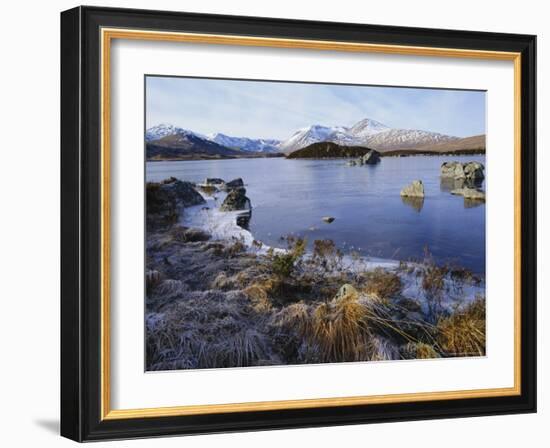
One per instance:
[(265, 109)]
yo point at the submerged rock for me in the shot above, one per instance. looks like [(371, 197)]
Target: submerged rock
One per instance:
[(414, 190), (469, 171), (236, 200), (328, 219), (470, 193)]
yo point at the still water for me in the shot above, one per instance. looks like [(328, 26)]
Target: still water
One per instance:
[(292, 196)]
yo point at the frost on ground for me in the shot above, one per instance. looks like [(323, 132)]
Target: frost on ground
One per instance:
[(218, 298)]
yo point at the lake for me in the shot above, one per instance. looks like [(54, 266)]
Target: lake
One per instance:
[(291, 197)]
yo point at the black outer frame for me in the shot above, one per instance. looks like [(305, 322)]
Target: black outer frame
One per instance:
[(80, 223)]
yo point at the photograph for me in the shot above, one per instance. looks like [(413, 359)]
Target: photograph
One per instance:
[(295, 222)]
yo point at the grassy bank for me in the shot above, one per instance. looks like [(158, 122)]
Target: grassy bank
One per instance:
[(214, 303)]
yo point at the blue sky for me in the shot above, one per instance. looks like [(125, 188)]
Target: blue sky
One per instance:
[(261, 109)]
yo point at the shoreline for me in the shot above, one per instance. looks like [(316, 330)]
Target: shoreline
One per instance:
[(216, 297)]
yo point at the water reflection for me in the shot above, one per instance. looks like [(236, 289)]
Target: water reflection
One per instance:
[(472, 203), (448, 184), (416, 203)]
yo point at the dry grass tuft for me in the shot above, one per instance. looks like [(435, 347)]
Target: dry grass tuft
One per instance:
[(340, 329), (420, 350), (463, 332), (258, 297)]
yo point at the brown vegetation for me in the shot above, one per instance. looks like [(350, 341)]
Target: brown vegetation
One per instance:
[(463, 332)]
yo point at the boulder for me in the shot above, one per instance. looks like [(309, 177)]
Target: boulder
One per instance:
[(371, 158), (183, 193), (233, 184), (470, 171), (472, 194), (414, 190), (166, 200), (236, 200), (347, 291), (213, 181), (474, 171)]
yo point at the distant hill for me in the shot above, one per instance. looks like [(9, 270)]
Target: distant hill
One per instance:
[(328, 150), (187, 146), (466, 145), (245, 143), (169, 142)]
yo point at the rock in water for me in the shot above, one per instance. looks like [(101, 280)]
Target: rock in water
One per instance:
[(414, 190), (236, 200), (470, 193), (328, 219), (165, 201), (214, 181), (232, 184), (371, 158), (469, 171), (474, 171), (183, 193)]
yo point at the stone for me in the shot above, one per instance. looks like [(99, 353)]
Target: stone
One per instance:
[(233, 184), (372, 157), (165, 201), (348, 291), (472, 172), (236, 200), (414, 190), (213, 181), (470, 193)]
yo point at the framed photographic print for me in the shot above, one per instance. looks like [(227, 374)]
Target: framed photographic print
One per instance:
[(276, 224)]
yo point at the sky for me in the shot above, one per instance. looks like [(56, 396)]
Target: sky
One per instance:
[(265, 109)]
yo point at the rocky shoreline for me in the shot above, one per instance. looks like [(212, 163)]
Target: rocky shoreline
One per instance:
[(215, 301)]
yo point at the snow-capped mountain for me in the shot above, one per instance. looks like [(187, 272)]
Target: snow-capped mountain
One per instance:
[(245, 143), (306, 136), (366, 132), (164, 130), (392, 139), (366, 128)]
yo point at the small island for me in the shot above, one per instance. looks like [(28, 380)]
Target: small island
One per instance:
[(329, 150)]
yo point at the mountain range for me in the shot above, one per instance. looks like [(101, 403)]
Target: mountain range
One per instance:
[(181, 143)]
